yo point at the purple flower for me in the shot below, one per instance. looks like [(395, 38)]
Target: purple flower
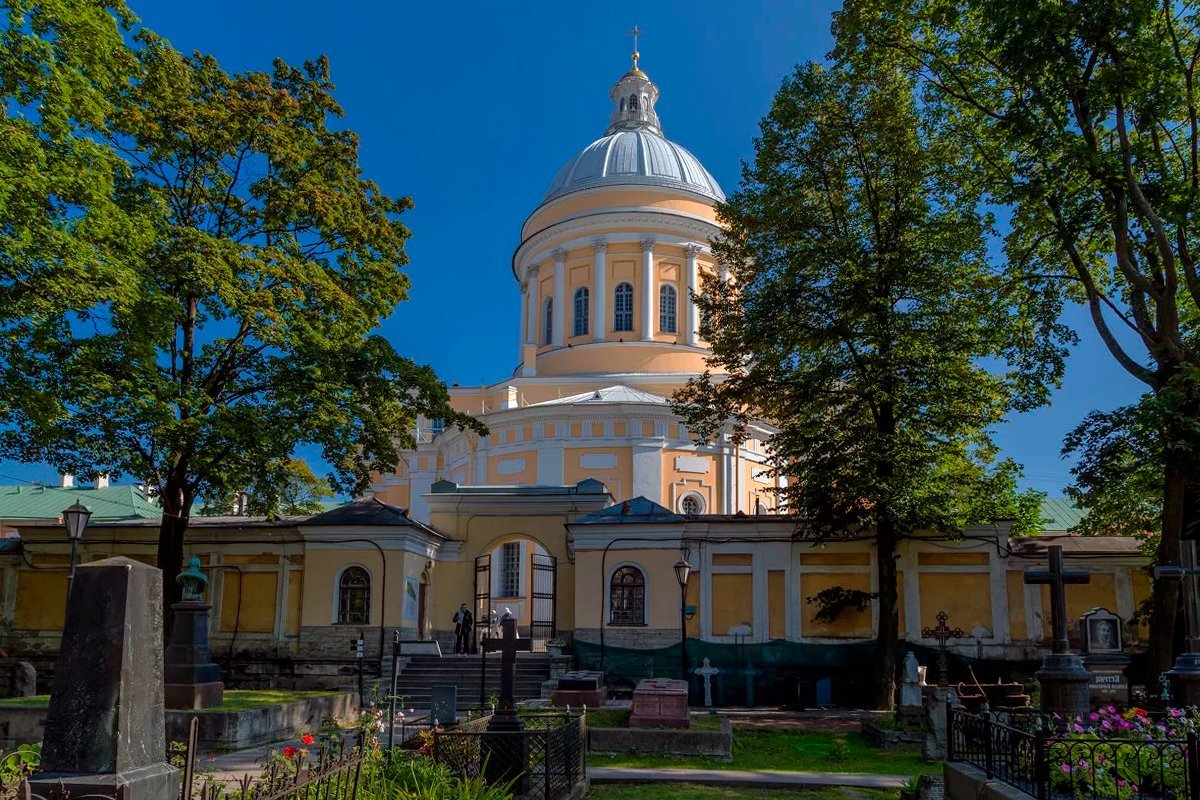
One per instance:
[(1175, 712), (1120, 782), (1078, 728), (1065, 768), (1093, 716)]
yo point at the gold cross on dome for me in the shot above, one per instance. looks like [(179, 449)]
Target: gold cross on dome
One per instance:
[(635, 33)]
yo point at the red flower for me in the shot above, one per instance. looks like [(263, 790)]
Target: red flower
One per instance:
[(1141, 712), (289, 752), (307, 739)]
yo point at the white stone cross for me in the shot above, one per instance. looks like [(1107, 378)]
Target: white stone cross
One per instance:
[(706, 671)]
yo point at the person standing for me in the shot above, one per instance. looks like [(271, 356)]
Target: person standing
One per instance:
[(462, 629)]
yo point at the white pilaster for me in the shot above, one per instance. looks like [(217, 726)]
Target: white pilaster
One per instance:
[(692, 318), (726, 476), (647, 471), (600, 292), (560, 299), (648, 289), (906, 562), (524, 327), (531, 305), (998, 589)]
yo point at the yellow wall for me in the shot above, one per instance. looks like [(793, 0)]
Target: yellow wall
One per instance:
[(41, 600), (525, 477), (850, 623), (248, 602), (1015, 585), (776, 604), (1100, 591), (732, 601), (965, 596), (599, 200), (618, 479), (662, 589)]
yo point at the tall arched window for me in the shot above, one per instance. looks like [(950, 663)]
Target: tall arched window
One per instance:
[(623, 307), (622, 104), (633, 102), (666, 309), (548, 321), (354, 596), (627, 597), (581, 311)]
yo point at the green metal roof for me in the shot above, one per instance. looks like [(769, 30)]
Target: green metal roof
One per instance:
[(48, 502), (1060, 514)]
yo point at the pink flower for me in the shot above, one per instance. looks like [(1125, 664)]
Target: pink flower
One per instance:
[(1078, 728), (1120, 782), (1093, 716), (1175, 712), (1066, 767)]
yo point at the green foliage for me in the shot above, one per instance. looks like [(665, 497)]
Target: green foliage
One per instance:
[(864, 321), (221, 311), (422, 779), (839, 748), (835, 600), (283, 488), (1081, 120), (19, 764), (695, 791)]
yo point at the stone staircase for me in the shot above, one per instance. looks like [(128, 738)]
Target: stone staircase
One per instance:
[(423, 672)]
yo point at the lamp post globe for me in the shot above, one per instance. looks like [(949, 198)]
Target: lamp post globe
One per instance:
[(75, 519), (682, 570)]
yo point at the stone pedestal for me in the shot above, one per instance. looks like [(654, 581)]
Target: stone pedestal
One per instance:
[(1108, 684), (1185, 680), (1064, 685), (936, 703), (582, 688), (192, 679), (105, 729), (660, 703), (505, 752)]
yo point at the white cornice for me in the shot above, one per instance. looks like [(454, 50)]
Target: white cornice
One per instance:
[(678, 229)]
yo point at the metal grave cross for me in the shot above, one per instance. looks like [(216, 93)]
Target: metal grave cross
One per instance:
[(943, 634), (1057, 578), (707, 671), (1189, 575)]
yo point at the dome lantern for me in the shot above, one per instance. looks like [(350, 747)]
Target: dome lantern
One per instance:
[(633, 100)]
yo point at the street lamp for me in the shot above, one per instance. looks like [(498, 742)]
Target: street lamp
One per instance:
[(682, 570), (76, 519)]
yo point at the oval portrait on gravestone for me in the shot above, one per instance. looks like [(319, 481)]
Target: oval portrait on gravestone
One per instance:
[(1103, 635)]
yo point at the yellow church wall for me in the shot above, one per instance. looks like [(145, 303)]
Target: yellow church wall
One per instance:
[(507, 461), (627, 357), (776, 604), (732, 601), (324, 566), (850, 623), (584, 202), (248, 602), (396, 494), (691, 597), (1141, 588), (662, 595), (965, 596), (41, 600), (618, 478), (1014, 582)]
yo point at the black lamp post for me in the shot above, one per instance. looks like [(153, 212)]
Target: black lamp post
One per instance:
[(75, 519), (682, 570)]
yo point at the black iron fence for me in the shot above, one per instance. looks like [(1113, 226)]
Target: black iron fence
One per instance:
[(544, 761), (1050, 760)]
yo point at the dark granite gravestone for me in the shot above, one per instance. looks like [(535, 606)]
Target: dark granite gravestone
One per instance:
[(1063, 678), (105, 731), (581, 688), (443, 705), (193, 679)]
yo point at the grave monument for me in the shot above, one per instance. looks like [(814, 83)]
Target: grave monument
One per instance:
[(105, 732), (1104, 657), (706, 671), (505, 748), (193, 679), (1063, 678), (942, 696), (660, 703), (911, 698)]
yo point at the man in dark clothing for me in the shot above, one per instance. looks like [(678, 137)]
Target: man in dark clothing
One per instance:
[(462, 629)]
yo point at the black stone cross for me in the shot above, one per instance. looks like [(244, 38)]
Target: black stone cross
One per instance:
[(1057, 578), (508, 663), (942, 633)]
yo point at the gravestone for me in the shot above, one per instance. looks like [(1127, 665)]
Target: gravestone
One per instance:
[(1104, 658), (910, 709), (19, 678), (443, 705), (1063, 678), (581, 688), (706, 671), (193, 678), (937, 735), (660, 703), (505, 747), (105, 731)]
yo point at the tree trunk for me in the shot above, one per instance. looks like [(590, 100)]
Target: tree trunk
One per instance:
[(889, 618), (1176, 474), (175, 511)]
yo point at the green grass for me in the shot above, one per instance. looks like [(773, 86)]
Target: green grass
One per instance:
[(693, 791), (235, 699), (790, 750), (619, 718), (243, 699)]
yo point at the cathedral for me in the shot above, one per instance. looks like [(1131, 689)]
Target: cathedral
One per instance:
[(588, 511)]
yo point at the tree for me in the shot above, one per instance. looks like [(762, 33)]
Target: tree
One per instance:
[(857, 319), (285, 488), (1083, 119), (242, 326)]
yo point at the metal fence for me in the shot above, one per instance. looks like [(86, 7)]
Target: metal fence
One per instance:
[(1031, 754), (545, 761)]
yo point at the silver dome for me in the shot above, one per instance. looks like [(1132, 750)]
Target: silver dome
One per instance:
[(636, 157)]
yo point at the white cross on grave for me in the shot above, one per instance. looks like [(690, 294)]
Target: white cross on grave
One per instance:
[(706, 671)]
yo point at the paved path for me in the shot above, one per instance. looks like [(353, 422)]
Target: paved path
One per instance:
[(741, 777)]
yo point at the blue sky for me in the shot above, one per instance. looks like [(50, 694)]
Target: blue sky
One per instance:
[(470, 108)]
